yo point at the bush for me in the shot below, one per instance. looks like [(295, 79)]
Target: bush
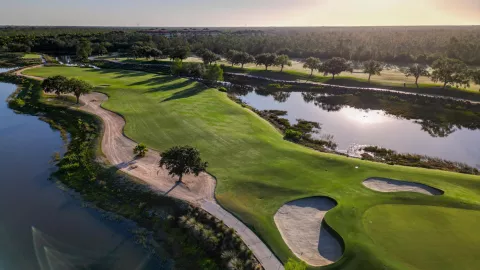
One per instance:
[(222, 89), (18, 102), (293, 135)]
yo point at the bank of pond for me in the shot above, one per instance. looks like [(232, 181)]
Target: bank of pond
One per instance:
[(124, 226), (394, 128)]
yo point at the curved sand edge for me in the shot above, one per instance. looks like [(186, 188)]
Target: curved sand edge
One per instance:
[(300, 223), (391, 185)]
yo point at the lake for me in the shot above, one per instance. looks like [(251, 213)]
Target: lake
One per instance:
[(42, 226), (352, 127)]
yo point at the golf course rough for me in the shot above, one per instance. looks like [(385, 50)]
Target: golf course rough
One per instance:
[(257, 171), (391, 185), (300, 224)]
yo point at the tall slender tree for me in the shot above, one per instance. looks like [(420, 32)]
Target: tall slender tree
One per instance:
[(372, 67), (312, 63), (417, 71), (282, 61)]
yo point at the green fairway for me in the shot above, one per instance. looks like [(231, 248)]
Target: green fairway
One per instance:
[(258, 171), (391, 78), (423, 232), (31, 56)]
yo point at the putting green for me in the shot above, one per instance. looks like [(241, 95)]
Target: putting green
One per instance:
[(31, 56), (257, 170), (417, 235)]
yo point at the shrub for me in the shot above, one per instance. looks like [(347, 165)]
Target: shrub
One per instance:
[(222, 89), (140, 150), (18, 102)]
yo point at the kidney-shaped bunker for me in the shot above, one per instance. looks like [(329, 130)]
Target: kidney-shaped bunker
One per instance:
[(300, 223)]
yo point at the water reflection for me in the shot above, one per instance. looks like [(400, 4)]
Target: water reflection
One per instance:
[(420, 125), (43, 227)]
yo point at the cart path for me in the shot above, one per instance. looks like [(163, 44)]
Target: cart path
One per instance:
[(200, 191)]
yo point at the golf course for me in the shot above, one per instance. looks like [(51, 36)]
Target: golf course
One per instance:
[(258, 172)]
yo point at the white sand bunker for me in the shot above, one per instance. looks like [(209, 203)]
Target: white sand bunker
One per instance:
[(300, 224), (390, 185)]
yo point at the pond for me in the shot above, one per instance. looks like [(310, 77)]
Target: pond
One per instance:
[(43, 226), (352, 127), (2, 70)]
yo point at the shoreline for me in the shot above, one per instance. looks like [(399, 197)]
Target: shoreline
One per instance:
[(205, 202)]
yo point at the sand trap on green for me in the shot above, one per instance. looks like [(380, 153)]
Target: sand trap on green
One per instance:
[(426, 237), (390, 185), (300, 224)]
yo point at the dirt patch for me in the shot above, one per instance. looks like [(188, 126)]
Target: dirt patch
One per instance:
[(390, 185), (300, 224)]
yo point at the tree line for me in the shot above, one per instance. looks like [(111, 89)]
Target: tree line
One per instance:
[(423, 45)]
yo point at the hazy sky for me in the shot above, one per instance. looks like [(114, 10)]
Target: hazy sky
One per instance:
[(239, 12)]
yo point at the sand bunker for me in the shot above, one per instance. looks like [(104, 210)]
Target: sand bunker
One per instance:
[(300, 224), (390, 185)]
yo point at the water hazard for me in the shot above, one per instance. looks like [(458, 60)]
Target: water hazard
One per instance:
[(42, 226), (352, 126)]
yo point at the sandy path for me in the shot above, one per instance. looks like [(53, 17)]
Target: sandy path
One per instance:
[(390, 185), (200, 190), (119, 151), (300, 224)]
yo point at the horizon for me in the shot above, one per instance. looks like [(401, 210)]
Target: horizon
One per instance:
[(248, 13), (253, 26)]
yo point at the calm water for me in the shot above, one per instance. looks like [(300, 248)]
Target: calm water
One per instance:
[(351, 127), (5, 70), (41, 226)]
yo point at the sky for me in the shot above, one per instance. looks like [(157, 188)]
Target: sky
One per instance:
[(210, 13)]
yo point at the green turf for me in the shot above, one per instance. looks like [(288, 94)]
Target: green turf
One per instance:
[(31, 56), (388, 78), (423, 232), (258, 171)]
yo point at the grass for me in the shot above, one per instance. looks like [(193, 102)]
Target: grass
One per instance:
[(258, 171), (31, 56), (390, 78), (415, 226)]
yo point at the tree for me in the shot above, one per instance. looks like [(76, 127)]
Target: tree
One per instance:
[(266, 59), (475, 74), (214, 73), (231, 56), (180, 160), (450, 71), (312, 63), (243, 58), (140, 150), (283, 60), (84, 50), (335, 66), (180, 53), (102, 50), (154, 52), (417, 70), (295, 265), (77, 87), (372, 67), (55, 84), (209, 57)]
